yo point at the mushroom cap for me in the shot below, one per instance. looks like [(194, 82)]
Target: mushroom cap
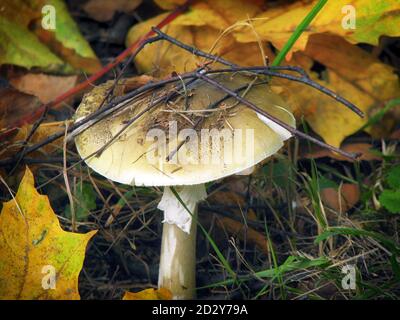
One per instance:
[(230, 138)]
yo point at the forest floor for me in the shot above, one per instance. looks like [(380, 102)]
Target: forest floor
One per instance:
[(294, 229)]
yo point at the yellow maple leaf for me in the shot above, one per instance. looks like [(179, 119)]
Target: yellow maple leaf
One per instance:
[(149, 294), (33, 245)]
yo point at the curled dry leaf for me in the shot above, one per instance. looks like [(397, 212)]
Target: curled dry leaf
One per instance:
[(33, 246)]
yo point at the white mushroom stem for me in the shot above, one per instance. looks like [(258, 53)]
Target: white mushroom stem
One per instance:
[(178, 248)]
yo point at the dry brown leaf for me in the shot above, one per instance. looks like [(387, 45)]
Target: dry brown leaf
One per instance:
[(363, 148), (43, 86), (348, 198), (237, 228), (104, 10), (14, 105)]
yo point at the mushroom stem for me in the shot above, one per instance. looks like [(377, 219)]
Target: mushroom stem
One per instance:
[(178, 248), (178, 261)]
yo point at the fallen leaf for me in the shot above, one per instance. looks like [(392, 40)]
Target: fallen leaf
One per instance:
[(200, 27), (149, 294), (14, 105), (104, 10), (67, 41), (373, 19), (390, 199), (45, 87), (14, 143), (218, 14), (276, 24), (27, 53), (347, 199), (237, 228), (350, 72), (32, 243), (364, 149), (161, 58), (393, 177), (24, 42), (42, 132)]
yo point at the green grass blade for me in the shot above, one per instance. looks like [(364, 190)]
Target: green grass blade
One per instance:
[(333, 231), (292, 263), (297, 33), (275, 262)]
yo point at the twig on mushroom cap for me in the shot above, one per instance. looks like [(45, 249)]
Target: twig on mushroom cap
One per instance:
[(274, 119)]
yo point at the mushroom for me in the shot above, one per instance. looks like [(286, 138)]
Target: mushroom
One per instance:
[(164, 148)]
